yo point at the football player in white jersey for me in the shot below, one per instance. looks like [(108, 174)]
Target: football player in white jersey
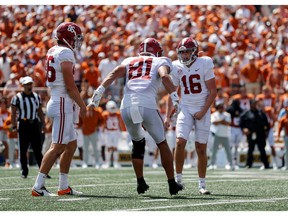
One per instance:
[(63, 108), (144, 74), (195, 77)]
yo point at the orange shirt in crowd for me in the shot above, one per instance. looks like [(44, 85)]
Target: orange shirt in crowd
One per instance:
[(92, 77), (251, 73), (113, 121), (92, 121), (7, 127), (244, 100), (283, 124)]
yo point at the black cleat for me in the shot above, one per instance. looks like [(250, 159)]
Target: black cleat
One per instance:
[(141, 188), (175, 187)]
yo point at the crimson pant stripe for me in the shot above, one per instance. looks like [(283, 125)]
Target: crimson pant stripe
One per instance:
[(60, 135)]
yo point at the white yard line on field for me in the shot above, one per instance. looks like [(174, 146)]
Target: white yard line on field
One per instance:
[(4, 199), (205, 204)]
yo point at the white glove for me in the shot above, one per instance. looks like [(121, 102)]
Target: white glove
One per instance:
[(97, 95), (175, 101)]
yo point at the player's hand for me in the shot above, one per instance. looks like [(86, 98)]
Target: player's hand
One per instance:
[(167, 122), (97, 95), (175, 101)]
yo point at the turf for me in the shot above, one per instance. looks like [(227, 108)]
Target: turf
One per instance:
[(115, 190)]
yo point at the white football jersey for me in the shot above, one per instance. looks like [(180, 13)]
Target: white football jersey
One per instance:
[(192, 81), (142, 80), (55, 56)]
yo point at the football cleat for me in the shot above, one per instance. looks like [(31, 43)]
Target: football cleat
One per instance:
[(41, 192), (174, 187), (69, 191), (141, 188), (203, 191)]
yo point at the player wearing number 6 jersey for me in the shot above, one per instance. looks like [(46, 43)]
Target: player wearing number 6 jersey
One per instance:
[(62, 108), (195, 77), (144, 74)]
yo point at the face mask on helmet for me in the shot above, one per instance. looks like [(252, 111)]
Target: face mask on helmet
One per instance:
[(151, 47), (111, 107), (187, 51), (70, 34)]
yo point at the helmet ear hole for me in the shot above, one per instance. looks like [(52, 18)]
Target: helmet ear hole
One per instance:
[(70, 34)]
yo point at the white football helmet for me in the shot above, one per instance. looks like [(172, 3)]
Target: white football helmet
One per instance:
[(111, 106)]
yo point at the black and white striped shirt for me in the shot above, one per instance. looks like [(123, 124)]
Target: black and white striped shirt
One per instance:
[(27, 105)]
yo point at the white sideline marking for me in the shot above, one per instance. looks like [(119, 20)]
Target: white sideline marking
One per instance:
[(4, 199), (155, 200), (73, 199), (205, 204)]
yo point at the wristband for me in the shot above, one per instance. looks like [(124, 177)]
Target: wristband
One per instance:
[(101, 89)]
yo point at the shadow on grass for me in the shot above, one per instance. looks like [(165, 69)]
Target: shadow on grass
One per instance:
[(107, 197), (197, 197)]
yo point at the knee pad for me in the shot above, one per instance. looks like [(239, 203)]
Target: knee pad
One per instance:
[(138, 149)]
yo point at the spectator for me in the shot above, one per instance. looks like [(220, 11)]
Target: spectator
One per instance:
[(283, 124), (255, 126), (113, 125), (4, 113), (221, 121), (236, 136), (4, 67), (12, 140), (252, 76), (89, 125)]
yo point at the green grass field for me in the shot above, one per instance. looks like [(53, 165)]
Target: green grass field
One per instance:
[(115, 190)]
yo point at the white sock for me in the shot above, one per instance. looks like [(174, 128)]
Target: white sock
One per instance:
[(40, 180), (63, 181), (115, 157), (201, 183), (179, 177)]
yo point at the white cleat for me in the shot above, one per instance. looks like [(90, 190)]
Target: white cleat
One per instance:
[(41, 192), (203, 191)]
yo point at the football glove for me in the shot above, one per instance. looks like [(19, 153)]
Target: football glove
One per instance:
[(97, 95), (175, 101)]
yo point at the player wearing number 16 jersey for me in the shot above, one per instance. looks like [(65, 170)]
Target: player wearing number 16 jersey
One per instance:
[(144, 74), (61, 108), (195, 77)]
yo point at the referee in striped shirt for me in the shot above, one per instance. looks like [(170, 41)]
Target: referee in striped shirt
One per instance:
[(26, 108)]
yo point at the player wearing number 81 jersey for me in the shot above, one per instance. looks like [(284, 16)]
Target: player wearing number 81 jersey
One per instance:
[(144, 73), (195, 77)]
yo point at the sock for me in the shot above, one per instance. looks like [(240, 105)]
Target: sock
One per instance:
[(40, 181), (115, 157), (179, 177), (63, 181), (201, 183)]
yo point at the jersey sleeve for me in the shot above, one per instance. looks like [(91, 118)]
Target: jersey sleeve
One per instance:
[(66, 55), (208, 72)]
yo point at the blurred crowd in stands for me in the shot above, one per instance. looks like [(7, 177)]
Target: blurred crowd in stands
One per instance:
[(249, 45)]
